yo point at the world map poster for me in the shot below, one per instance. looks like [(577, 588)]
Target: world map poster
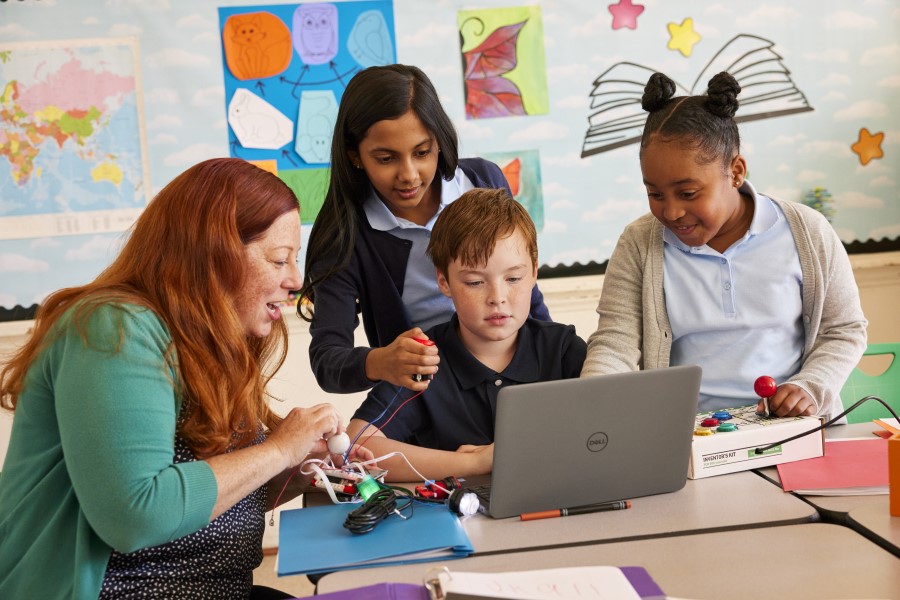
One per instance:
[(73, 171)]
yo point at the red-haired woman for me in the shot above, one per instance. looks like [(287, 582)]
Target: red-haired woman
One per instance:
[(142, 441)]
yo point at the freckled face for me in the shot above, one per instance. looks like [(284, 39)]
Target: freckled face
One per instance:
[(400, 158), (272, 273), (492, 301), (699, 203)]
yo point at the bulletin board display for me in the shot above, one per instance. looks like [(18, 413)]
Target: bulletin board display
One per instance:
[(285, 70), (549, 90)]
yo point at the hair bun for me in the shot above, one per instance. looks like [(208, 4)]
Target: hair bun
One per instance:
[(722, 95), (657, 92)]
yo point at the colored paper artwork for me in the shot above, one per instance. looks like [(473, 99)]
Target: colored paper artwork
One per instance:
[(682, 37), (256, 123), (868, 146), (504, 65), (257, 45), (522, 170), (370, 42), (267, 165), (315, 124), (625, 14), (310, 186), (286, 67), (316, 33)]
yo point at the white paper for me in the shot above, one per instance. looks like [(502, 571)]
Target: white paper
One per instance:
[(849, 491), (582, 583), (891, 421)]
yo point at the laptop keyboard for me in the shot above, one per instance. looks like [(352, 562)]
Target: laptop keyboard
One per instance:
[(482, 491)]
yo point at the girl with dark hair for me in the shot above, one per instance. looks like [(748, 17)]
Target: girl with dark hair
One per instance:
[(394, 167), (143, 440), (722, 276)]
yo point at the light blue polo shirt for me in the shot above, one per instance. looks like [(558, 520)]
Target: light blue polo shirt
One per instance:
[(737, 314), (424, 302)]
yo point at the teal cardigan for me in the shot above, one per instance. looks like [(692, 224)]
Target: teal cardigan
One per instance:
[(90, 461)]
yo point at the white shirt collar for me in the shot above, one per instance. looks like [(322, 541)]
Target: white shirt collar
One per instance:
[(381, 218), (765, 216)]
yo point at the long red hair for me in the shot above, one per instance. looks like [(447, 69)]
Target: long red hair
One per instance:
[(184, 260)]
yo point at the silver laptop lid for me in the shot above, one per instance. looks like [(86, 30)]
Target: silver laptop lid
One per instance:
[(572, 442)]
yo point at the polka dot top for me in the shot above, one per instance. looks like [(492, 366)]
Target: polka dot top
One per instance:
[(214, 562)]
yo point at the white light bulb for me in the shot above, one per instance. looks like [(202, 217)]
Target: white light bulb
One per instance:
[(339, 444)]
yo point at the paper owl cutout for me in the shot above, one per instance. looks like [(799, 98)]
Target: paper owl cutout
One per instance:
[(315, 33)]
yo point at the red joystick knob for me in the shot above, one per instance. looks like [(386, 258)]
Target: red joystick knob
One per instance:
[(765, 387)]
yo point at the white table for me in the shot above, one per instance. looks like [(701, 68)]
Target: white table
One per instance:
[(870, 515), (835, 507), (876, 523), (733, 501), (813, 560)]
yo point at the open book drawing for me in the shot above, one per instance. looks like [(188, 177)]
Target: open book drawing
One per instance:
[(767, 91)]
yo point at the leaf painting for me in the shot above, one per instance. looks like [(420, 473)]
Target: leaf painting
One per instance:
[(488, 93), (503, 63), (522, 169), (512, 170)]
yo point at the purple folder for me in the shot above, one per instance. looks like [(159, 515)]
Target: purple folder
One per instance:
[(638, 577)]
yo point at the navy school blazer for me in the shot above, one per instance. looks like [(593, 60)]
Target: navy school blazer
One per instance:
[(372, 284)]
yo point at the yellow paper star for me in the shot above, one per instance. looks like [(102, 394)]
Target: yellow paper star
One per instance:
[(683, 36), (868, 146)]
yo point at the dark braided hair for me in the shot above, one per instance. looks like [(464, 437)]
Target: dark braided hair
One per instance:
[(375, 94), (703, 123)]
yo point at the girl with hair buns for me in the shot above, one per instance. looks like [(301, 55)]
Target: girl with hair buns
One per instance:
[(143, 441), (722, 276), (394, 167)]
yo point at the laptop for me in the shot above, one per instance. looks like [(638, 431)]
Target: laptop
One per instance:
[(572, 442)]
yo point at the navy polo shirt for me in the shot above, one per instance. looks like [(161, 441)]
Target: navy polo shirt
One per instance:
[(460, 403)]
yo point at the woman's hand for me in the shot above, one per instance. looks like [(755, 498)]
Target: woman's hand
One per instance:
[(406, 362), (303, 432)]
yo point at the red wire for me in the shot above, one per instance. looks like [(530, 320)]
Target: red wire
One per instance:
[(284, 487), (379, 428)]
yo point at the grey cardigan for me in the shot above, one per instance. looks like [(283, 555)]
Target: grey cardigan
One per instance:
[(634, 332)]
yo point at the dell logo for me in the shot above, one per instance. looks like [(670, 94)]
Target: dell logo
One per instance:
[(597, 442)]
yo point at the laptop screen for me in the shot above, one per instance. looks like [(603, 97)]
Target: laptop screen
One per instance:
[(571, 442)]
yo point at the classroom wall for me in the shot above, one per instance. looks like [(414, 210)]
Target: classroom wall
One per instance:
[(570, 300), (822, 72)]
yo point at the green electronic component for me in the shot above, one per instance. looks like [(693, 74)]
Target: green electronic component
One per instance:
[(367, 487)]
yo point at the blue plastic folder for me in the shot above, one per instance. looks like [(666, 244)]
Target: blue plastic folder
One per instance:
[(313, 540)]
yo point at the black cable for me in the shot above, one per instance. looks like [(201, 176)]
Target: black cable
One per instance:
[(824, 425), (377, 508)]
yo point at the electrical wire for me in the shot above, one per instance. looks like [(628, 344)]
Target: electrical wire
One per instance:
[(377, 508), (315, 470), (346, 455), (356, 437), (824, 425), (383, 425), (391, 455), (376, 419), (284, 487)]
